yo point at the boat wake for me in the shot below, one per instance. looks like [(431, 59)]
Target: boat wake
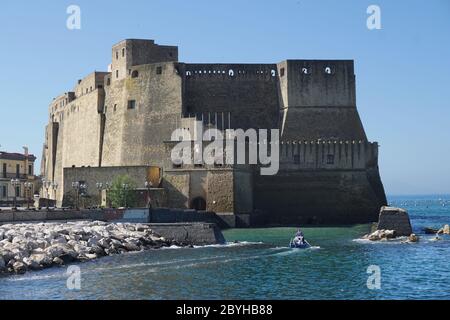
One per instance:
[(226, 245), (293, 251)]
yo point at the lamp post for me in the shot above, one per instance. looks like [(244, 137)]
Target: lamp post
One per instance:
[(125, 187), (54, 187), (149, 185), (79, 187), (29, 189), (47, 184), (15, 183), (100, 190)]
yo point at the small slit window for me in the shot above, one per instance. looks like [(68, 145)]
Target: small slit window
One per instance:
[(131, 104), (330, 159), (282, 72), (108, 81), (117, 73), (123, 52)]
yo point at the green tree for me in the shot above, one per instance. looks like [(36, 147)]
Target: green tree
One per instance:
[(122, 192)]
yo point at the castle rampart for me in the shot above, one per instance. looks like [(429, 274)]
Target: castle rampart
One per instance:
[(125, 117)]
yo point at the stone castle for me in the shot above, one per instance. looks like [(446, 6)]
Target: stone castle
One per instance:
[(121, 121)]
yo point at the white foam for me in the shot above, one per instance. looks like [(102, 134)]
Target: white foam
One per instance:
[(35, 277)]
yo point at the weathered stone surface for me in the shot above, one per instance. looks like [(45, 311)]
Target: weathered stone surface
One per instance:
[(19, 267), (413, 238), (395, 219), (381, 235), (344, 189)]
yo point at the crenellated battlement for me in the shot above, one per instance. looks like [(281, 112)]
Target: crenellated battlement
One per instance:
[(231, 71), (328, 154)]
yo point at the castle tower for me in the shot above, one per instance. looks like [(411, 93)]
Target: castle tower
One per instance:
[(143, 103), (318, 100), (134, 52)]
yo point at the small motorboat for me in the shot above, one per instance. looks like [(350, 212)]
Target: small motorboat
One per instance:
[(299, 241)]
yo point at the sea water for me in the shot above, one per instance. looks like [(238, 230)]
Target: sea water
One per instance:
[(260, 266)]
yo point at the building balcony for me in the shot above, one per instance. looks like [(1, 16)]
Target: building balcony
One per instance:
[(9, 176)]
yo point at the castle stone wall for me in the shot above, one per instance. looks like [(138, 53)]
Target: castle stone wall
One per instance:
[(136, 136), (248, 92)]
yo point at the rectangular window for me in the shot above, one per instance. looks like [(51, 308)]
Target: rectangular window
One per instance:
[(30, 170), (131, 104), (4, 192), (17, 171), (17, 191), (123, 52), (117, 74), (330, 159), (117, 55), (159, 70), (4, 170), (282, 72)]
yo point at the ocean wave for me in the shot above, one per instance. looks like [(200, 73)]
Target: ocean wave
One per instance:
[(226, 245), (35, 277), (155, 264), (398, 240), (293, 251), (231, 244)]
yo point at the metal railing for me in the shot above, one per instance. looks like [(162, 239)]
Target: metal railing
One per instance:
[(8, 175)]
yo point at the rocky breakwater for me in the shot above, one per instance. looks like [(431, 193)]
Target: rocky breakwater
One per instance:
[(36, 246), (392, 223)]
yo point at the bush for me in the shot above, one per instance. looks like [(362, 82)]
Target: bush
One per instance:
[(121, 196)]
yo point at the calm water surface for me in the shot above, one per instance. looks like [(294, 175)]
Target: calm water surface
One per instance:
[(261, 267)]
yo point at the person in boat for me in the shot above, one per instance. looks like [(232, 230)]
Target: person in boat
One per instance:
[(299, 237)]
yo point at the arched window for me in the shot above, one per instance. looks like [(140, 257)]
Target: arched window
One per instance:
[(273, 73), (231, 73), (328, 70), (305, 70), (135, 74)]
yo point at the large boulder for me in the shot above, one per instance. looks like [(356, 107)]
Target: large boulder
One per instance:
[(395, 219), (381, 235), (2, 264), (19, 267), (413, 238)]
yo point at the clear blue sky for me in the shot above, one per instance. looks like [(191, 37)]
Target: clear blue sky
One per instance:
[(403, 70)]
